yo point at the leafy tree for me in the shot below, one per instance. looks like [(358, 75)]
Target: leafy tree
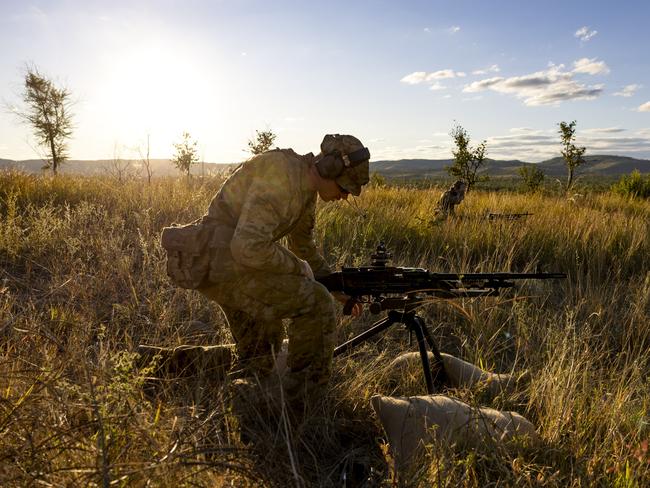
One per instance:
[(47, 109), (186, 154), (262, 142), (377, 180), (533, 177), (467, 159), (572, 154), (633, 185)]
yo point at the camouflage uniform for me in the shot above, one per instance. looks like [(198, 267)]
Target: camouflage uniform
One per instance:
[(257, 281), (449, 199)]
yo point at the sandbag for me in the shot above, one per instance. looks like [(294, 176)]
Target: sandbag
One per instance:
[(460, 374), (411, 423)]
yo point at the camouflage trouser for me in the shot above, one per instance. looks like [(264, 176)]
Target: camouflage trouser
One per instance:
[(255, 304)]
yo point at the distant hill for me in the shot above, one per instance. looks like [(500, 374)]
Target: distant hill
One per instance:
[(160, 167), (603, 165), (596, 165)]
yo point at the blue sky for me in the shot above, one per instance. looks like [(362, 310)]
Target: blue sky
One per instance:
[(398, 75)]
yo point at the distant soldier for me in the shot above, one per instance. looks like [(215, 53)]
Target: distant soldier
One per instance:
[(449, 199)]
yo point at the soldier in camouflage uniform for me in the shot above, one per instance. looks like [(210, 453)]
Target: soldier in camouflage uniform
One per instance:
[(256, 280), (449, 199)]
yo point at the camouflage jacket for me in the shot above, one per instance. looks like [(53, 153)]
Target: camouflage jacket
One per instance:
[(268, 198)]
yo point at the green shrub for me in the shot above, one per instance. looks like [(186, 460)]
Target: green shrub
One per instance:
[(633, 185), (532, 176)]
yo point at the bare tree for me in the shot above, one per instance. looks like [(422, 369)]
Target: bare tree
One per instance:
[(144, 160), (119, 168), (47, 109), (572, 154), (262, 142)]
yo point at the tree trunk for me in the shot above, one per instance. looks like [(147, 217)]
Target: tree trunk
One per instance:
[(55, 159)]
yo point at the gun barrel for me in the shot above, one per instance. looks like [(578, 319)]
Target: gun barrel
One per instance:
[(369, 281), (497, 276)]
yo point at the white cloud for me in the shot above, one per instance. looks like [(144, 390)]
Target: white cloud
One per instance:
[(549, 87), (529, 144), (442, 74), (415, 78), (437, 86), (492, 69), (453, 29), (628, 90), (426, 29), (590, 66), (418, 77), (584, 34), (603, 130), (536, 145), (644, 107), (524, 130), (416, 151), (32, 14)]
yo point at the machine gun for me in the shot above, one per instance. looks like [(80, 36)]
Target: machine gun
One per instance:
[(506, 216), (400, 291)]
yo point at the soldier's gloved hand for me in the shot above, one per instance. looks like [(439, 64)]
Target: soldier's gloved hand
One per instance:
[(357, 308), (306, 269)]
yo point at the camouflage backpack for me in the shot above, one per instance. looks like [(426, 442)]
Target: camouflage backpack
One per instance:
[(188, 254), (198, 254)]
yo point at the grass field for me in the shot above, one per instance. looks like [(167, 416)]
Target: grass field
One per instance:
[(82, 284)]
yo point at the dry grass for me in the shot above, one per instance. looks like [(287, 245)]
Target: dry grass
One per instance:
[(83, 283)]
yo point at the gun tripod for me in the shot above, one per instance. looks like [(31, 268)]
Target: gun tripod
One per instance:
[(415, 324)]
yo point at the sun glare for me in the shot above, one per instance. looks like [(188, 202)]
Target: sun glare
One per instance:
[(159, 89)]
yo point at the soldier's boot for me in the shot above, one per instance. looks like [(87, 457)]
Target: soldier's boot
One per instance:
[(302, 390)]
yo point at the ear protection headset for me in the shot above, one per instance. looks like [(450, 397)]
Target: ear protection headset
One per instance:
[(332, 165)]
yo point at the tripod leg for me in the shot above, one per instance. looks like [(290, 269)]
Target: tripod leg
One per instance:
[(441, 374), (416, 326), (376, 328)]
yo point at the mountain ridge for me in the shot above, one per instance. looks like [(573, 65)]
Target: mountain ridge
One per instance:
[(596, 165)]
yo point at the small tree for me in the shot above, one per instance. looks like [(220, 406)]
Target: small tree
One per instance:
[(146, 162), (119, 168), (377, 180), (533, 177), (634, 185), (262, 142), (573, 155), (47, 109), (186, 154), (467, 160)]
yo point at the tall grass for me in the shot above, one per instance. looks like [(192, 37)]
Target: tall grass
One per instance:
[(83, 284)]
